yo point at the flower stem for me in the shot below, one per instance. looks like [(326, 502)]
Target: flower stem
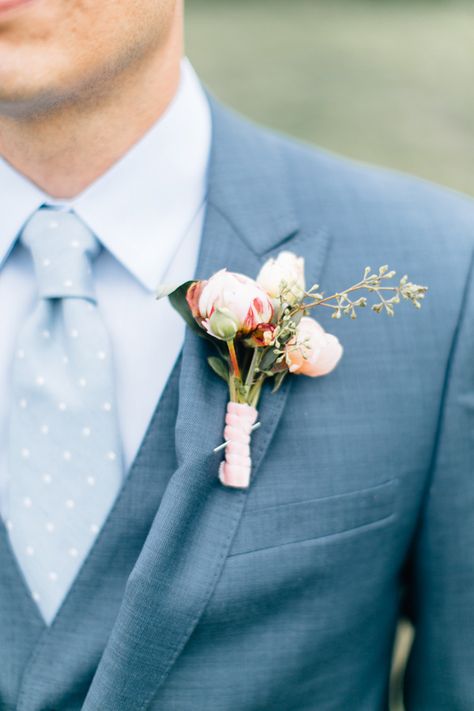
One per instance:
[(233, 390), (233, 359), (254, 394), (253, 365)]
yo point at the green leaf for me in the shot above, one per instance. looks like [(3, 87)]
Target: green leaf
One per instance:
[(269, 359), (178, 302), (164, 290), (279, 378), (219, 367)]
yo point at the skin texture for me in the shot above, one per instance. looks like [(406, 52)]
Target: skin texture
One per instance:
[(81, 81)]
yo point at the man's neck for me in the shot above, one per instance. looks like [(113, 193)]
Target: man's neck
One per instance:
[(65, 150)]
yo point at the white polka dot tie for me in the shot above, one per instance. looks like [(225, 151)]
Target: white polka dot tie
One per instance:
[(64, 447)]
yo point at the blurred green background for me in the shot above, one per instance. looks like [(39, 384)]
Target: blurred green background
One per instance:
[(384, 81)]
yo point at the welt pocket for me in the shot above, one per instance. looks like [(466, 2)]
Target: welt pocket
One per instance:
[(315, 518)]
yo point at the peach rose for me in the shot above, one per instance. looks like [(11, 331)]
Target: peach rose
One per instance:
[(312, 352)]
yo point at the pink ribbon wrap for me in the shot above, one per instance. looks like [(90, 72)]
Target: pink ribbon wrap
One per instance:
[(235, 470)]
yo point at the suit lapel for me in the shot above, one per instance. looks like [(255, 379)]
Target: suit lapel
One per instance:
[(249, 215)]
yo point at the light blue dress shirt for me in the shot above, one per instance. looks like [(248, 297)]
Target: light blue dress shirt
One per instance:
[(147, 211)]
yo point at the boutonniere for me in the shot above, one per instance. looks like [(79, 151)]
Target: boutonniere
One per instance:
[(262, 330)]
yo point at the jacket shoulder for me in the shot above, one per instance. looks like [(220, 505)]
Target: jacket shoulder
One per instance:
[(339, 190)]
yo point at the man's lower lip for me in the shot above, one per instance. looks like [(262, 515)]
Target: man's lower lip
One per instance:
[(11, 4)]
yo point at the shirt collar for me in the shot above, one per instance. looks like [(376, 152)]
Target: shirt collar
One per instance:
[(143, 206)]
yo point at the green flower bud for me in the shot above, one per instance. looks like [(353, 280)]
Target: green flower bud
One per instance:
[(222, 325)]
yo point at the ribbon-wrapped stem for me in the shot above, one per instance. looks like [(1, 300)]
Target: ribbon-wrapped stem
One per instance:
[(235, 470)]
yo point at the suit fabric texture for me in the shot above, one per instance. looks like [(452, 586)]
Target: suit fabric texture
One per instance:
[(286, 597)]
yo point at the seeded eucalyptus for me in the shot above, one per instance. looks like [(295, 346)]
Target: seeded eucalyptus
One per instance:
[(387, 296)]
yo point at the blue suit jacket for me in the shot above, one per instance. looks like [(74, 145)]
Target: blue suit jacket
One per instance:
[(285, 597)]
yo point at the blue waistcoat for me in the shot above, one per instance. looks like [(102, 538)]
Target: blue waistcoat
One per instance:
[(51, 668), (285, 597)]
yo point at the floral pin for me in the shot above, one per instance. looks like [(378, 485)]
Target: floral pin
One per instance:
[(262, 330)]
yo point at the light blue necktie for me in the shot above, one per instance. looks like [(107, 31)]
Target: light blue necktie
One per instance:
[(65, 460)]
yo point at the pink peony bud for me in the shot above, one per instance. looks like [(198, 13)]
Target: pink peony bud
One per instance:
[(229, 304), (312, 352)]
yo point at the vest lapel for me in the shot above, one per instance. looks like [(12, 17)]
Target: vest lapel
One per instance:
[(21, 624), (249, 215)]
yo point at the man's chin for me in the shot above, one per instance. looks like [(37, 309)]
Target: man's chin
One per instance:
[(31, 79), (20, 101)]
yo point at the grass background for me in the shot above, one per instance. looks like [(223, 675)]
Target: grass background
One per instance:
[(383, 81)]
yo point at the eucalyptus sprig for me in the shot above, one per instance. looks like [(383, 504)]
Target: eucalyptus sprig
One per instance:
[(388, 296)]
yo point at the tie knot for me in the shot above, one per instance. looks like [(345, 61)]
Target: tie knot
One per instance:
[(63, 248)]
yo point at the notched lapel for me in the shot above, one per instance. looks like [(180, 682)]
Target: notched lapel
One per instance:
[(190, 538)]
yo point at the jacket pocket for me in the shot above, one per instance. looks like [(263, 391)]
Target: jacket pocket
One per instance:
[(315, 518)]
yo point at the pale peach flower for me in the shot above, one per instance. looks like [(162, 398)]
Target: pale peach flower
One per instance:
[(229, 304), (312, 352), (283, 278)]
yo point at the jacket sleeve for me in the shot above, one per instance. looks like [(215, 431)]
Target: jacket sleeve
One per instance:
[(440, 673)]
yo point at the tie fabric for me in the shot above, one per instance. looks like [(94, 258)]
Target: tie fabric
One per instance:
[(64, 448)]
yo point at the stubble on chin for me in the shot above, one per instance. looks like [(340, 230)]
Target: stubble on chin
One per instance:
[(68, 59)]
